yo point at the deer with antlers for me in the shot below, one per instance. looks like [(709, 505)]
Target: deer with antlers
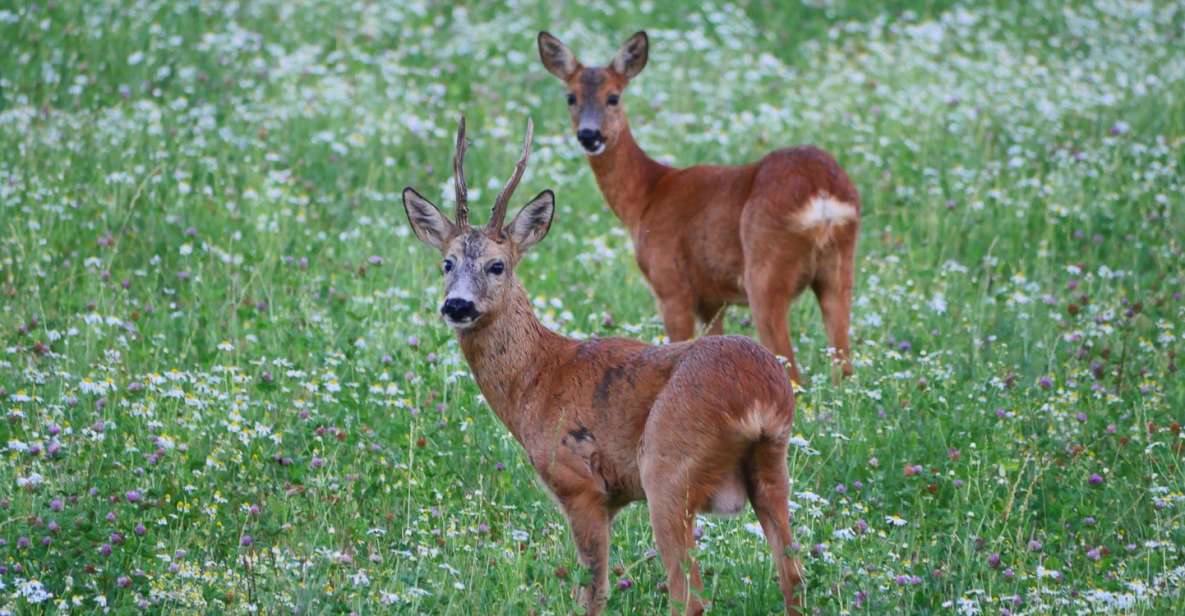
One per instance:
[(698, 426), (709, 236)]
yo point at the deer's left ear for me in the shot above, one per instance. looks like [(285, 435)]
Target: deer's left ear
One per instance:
[(631, 58), (532, 222)]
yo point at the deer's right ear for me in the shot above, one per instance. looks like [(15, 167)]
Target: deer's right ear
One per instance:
[(532, 223), (631, 58), (431, 226), (557, 58)]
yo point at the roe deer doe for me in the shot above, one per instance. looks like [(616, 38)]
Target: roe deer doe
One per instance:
[(698, 426), (708, 236)]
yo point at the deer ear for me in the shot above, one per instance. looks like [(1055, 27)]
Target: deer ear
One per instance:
[(631, 58), (431, 226), (532, 222), (556, 57)]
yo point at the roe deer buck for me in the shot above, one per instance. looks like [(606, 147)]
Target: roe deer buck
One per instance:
[(708, 236), (698, 426)]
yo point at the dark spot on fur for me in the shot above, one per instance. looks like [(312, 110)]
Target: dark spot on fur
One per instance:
[(613, 377), (582, 434)]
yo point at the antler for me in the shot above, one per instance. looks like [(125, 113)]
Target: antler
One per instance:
[(504, 197), (462, 194)]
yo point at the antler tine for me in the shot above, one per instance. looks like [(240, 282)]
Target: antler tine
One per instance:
[(504, 197), (462, 194)]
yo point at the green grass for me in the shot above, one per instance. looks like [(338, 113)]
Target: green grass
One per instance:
[(192, 198)]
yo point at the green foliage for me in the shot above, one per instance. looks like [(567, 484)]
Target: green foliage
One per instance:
[(217, 329)]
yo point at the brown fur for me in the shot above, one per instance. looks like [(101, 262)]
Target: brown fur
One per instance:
[(605, 422), (709, 236)]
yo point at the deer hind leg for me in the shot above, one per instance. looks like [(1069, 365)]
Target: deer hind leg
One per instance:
[(770, 291), (833, 289), (768, 484), (590, 522), (672, 517), (680, 469)]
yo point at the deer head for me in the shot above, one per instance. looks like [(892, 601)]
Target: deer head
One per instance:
[(594, 93), (479, 262)]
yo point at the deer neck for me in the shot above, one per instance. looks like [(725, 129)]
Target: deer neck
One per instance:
[(506, 353), (627, 177)]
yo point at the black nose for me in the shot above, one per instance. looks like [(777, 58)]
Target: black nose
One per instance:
[(458, 309), (589, 138)]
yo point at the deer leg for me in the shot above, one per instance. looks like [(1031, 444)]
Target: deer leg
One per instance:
[(673, 498), (673, 523), (711, 314), (833, 288), (770, 294), (590, 523), (768, 483), (835, 302), (678, 316)]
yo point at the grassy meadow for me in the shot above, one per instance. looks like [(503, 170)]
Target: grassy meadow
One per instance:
[(225, 388)]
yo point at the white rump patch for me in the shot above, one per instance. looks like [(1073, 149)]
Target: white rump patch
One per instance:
[(824, 213), (752, 423), (762, 420)]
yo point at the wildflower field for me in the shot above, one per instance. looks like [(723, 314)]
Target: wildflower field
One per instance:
[(226, 389)]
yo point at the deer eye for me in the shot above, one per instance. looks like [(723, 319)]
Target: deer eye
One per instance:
[(614, 99), (448, 265), (571, 99), (497, 267)]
